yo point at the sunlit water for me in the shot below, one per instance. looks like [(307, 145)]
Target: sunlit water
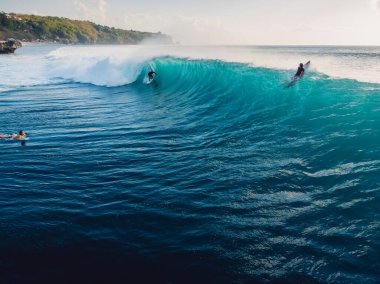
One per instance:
[(214, 173)]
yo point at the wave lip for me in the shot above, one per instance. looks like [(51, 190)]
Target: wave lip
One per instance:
[(98, 66)]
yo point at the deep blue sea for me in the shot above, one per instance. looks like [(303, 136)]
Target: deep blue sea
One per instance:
[(213, 173)]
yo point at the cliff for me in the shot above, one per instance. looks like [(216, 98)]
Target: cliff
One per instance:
[(63, 30)]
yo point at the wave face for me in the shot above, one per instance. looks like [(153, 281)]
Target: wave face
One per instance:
[(213, 171)]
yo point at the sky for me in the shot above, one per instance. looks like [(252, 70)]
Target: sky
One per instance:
[(237, 22)]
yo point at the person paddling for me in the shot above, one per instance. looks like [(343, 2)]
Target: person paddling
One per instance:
[(20, 136)]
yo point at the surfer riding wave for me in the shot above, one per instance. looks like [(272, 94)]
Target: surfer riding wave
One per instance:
[(300, 71), (150, 75)]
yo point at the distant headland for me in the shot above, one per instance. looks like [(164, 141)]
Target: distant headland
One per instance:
[(34, 28)]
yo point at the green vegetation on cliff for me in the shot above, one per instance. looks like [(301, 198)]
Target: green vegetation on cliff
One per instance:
[(62, 30)]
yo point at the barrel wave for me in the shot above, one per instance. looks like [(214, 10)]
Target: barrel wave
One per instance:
[(213, 173)]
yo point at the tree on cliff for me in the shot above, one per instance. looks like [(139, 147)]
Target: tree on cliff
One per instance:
[(63, 30)]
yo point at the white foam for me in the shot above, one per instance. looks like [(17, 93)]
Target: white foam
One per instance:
[(21, 70), (103, 66)]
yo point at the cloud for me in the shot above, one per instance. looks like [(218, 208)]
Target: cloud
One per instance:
[(94, 10)]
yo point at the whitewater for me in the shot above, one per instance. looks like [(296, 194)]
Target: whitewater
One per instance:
[(214, 173)]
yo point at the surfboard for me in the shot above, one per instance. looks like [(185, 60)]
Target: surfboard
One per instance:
[(292, 82), (306, 66)]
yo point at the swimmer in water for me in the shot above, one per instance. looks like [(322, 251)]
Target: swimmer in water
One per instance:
[(20, 136)]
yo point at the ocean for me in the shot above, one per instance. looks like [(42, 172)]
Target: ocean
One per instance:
[(213, 173)]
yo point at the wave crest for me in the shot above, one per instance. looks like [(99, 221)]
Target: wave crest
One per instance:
[(98, 66)]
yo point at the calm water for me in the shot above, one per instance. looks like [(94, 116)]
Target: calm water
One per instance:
[(211, 174)]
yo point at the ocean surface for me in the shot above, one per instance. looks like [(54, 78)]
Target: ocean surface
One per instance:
[(213, 173)]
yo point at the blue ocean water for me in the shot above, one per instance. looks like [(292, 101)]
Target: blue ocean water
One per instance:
[(213, 173)]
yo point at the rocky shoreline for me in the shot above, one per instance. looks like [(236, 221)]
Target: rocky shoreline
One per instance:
[(9, 46)]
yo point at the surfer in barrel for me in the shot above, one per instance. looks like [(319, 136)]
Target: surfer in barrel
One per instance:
[(20, 136), (150, 75)]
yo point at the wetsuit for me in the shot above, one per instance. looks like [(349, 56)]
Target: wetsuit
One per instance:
[(150, 75), (300, 71)]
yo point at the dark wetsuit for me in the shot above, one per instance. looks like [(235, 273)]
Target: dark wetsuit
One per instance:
[(150, 75), (300, 71)]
